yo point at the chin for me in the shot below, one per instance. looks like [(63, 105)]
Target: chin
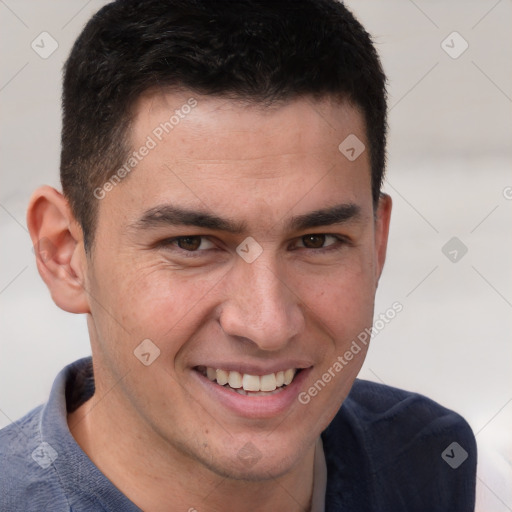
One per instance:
[(255, 465)]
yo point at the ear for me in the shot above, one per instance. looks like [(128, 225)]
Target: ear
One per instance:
[(58, 245), (382, 218)]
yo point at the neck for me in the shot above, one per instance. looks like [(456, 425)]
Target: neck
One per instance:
[(157, 476)]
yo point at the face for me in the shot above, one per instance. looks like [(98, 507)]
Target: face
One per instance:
[(244, 245)]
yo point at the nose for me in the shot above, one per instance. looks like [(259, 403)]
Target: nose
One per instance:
[(261, 306)]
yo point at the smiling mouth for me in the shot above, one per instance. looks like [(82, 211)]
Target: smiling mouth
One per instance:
[(250, 385)]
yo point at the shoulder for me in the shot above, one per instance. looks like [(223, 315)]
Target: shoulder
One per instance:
[(380, 408), (27, 478), (414, 453)]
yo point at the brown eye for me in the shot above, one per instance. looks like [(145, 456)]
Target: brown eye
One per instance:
[(189, 243), (313, 241), (319, 243)]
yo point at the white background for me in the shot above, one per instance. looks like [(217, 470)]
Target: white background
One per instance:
[(448, 172)]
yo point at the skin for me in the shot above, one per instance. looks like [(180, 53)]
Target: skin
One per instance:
[(152, 430)]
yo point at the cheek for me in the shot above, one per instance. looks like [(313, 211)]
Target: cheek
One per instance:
[(342, 308), (342, 297), (156, 301)]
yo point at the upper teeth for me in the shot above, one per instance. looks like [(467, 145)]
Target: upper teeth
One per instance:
[(249, 382)]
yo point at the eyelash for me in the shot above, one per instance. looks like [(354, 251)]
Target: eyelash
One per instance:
[(341, 241)]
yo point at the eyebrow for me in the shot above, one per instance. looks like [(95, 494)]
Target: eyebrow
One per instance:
[(169, 215)]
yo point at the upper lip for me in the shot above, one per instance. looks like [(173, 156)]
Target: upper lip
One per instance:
[(257, 368)]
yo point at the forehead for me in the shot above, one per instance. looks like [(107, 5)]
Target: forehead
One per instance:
[(215, 127), (222, 155)]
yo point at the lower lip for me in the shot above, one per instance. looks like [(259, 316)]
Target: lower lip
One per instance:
[(254, 406)]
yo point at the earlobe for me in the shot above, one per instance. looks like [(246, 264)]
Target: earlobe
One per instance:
[(58, 247), (382, 221)]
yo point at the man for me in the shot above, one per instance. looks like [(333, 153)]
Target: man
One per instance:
[(222, 226)]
